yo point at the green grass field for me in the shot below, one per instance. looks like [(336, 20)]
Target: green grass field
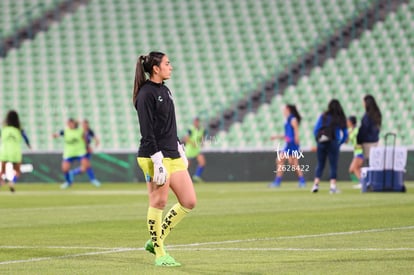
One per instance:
[(236, 228)]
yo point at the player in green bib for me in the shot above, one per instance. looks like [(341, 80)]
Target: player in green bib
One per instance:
[(10, 147), (193, 144), (74, 150), (358, 160)]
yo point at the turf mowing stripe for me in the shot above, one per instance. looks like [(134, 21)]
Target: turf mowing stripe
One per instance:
[(69, 256), (64, 247), (185, 246), (77, 207), (76, 192)]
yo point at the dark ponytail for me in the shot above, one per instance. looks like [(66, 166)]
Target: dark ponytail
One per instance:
[(145, 64), (373, 110), (337, 112), (294, 111), (139, 77)]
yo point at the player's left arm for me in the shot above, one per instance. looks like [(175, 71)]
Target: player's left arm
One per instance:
[(95, 137), (26, 139)]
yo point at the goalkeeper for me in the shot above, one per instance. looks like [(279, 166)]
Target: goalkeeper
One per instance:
[(160, 155)]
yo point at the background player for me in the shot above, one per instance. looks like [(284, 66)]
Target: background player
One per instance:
[(10, 147), (291, 137), (358, 159), (74, 150), (89, 136), (193, 143)]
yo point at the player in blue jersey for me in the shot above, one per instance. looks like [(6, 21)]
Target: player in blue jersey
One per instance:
[(291, 153), (89, 137)]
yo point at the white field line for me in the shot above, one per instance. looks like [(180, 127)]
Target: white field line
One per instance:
[(294, 249), (190, 247), (302, 236)]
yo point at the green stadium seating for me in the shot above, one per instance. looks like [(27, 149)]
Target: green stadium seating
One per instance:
[(84, 65), (379, 63)]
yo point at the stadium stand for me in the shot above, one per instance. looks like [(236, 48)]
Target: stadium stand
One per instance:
[(380, 63), (83, 66), (15, 14)]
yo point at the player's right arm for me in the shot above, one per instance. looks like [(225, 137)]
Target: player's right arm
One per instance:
[(58, 134), (187, 139), (274, 137)]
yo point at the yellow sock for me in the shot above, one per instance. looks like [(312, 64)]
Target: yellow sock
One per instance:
[(172, 218), (154, 219)]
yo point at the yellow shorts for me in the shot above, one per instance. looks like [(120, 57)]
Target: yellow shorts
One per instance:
[(172, 166)]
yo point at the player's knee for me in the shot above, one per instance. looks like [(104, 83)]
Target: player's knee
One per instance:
[(65, 168), (190, 204), (159, 202)]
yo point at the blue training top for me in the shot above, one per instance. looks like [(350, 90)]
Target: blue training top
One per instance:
[(289, 131), (290, 134)]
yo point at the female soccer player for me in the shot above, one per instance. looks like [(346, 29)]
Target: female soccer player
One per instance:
[(89, 136), (330, 133), (160, 156), (290, 152), (193, 143), (10, 147), (357, 161), (368, 134), (74, 150)]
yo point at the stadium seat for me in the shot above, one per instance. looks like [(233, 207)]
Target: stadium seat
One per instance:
[(220, 51)]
